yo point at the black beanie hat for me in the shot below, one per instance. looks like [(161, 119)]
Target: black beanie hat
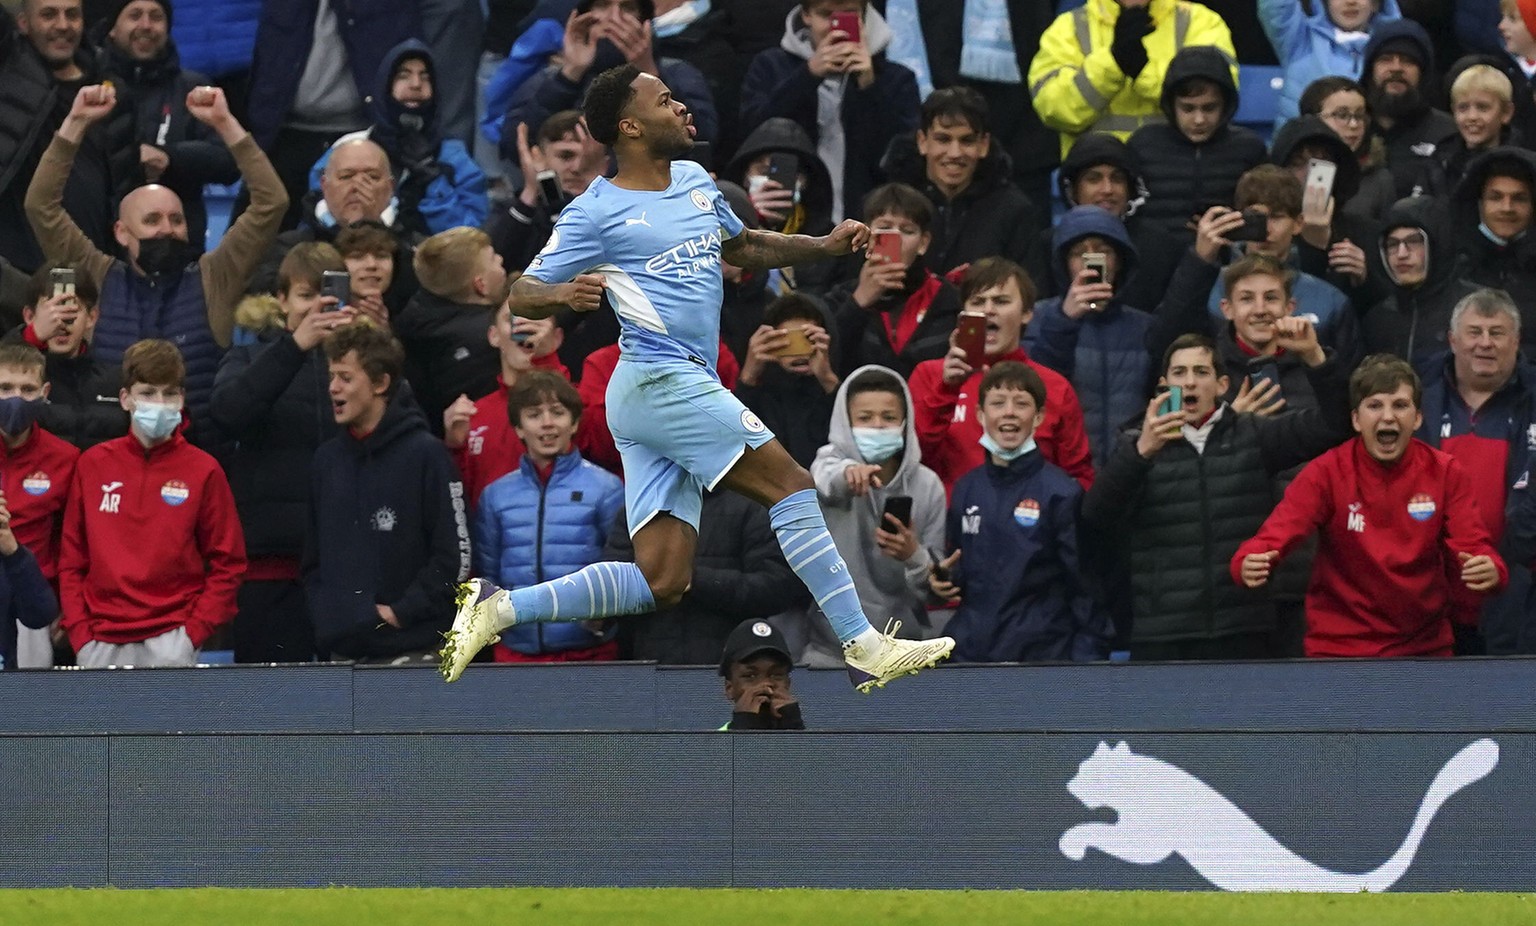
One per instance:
[(114, 9)]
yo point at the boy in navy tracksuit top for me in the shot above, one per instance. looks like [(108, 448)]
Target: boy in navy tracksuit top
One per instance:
[(547, 519), (1013, 529)]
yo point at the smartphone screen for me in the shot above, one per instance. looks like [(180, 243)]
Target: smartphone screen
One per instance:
[(900, 506), (971, 337)]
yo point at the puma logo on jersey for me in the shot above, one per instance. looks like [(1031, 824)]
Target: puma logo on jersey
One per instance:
[(639, 221), (1218, 840)]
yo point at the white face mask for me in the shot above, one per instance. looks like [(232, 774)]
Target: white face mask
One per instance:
[(1007, 456), (876, 445), (156, 420)]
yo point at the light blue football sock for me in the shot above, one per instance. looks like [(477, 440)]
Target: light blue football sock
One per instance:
[(802, 533), (606, 589)]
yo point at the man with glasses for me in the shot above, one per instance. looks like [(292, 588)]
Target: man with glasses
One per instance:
[(1421, 264)]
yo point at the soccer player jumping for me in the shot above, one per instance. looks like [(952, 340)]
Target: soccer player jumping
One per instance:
[(653, 238)]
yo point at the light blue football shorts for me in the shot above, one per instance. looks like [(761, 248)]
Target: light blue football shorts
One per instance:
[(678, 432)]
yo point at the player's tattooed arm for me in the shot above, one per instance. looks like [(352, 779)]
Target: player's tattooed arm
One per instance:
[(532, 298), (755, 249)]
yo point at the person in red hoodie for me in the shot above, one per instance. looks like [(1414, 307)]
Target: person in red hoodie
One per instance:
[(945, 392), (152, 552), (484, 444), (36, 468), (1397, 520)]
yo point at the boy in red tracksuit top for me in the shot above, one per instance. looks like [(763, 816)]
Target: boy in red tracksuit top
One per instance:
[(1398, 519), (153, 553), (483, 442), (945, 392)]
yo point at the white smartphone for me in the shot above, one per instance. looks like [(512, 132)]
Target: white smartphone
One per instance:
[(1319, 186)]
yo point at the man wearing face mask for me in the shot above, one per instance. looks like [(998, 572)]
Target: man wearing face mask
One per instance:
[(152, 554), (160, 288), (36, 469)]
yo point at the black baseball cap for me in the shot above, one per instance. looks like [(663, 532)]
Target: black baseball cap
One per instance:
[(750, 638)]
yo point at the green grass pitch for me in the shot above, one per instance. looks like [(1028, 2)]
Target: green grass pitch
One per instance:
[(683, 907)]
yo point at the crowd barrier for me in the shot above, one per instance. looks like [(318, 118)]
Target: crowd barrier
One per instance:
[(1305, 776)]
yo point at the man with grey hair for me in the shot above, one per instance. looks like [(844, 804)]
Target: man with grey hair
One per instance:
[(1480, 407)]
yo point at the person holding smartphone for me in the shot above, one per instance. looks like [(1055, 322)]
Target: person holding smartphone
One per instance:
[(1014, 561), (897, 313), (884, 508)]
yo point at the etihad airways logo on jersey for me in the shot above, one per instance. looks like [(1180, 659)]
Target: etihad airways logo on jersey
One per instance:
[(695, 256)]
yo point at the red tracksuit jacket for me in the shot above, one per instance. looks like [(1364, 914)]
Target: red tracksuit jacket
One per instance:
[(36, 477), (948, 432), (151, 543), (1388, 539), (493, 447)]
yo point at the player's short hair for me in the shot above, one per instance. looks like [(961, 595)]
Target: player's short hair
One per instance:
[(447, 262), (1311, 102), (305, 263), (1381, 373), (1487, 303), (1253, 265), (1481, 78), (899, 200), (24, 356), (40, 286), (956, 104), (878, 379), (1011, 374), (607, 97), (366, 236), (793, 307), (996, 271), (537, 387), (378, 353), (556, 127), (153, 362), (1195, 342), (1269, 185)]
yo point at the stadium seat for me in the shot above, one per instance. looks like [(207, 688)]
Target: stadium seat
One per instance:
[(1259, 96)]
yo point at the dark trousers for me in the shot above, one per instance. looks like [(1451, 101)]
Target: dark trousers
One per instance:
[(1237, 646), (273, 623)]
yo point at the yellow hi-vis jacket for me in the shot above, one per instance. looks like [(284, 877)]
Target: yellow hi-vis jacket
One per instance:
[(1077, 85)]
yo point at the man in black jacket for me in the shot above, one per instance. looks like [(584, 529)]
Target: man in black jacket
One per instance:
[(1398, 74), (977, 210), (139, 57), (83, 406), (1493, 217), (1102, 171), (1426, 279), (41, 69), (388, 534), (1182, 492)]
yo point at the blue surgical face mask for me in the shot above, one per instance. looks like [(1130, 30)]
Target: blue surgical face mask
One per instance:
[(1007, 456), (156, 420), (876, 445), (17, 414)]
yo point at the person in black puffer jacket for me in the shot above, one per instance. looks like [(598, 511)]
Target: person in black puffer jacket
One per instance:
[(1491, 219), (138, 55), (1427, 281), (977, 210)]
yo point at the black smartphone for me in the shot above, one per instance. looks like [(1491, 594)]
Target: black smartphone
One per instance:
[(784, 169), (1255, 227), (550, 191), (900, 506), (336, 283)]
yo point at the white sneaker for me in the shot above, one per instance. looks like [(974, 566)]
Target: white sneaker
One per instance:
[(893, 659), (474, 627)]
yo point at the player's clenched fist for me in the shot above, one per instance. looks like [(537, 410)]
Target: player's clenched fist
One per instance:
[(585, 292)]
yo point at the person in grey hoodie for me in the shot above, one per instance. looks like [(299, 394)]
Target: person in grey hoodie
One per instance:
[(872, 458)]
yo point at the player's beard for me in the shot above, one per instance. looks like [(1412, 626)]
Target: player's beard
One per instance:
[(672, 147)]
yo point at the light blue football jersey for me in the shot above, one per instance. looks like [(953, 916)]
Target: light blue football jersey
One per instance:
[(660, 252)]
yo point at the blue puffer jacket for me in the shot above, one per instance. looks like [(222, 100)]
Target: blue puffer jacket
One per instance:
[(369, 29), (527, 531), (1308, 47), (1103, 354), (216, 37)]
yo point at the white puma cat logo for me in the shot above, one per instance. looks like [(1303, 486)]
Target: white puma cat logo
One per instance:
[(1165, 810), (639, 221)]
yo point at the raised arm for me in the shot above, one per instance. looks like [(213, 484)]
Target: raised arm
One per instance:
[(755, 249), (532, 298), (57, 234)]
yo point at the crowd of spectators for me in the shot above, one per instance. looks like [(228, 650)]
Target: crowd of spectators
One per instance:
[(1118, 377)]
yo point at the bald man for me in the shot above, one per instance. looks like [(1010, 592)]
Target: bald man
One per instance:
[(160, 288), (356, 186)]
